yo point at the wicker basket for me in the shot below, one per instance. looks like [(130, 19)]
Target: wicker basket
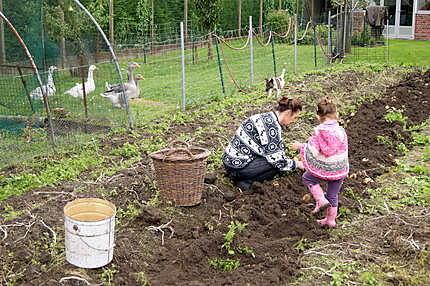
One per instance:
[(180, 173)]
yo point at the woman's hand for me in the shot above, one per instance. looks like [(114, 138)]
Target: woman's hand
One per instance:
[(295, 145)]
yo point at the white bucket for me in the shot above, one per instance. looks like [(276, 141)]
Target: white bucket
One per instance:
[(90, 226)]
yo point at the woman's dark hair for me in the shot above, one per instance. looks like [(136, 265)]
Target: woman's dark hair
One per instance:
[(285, 103), (326, 107)]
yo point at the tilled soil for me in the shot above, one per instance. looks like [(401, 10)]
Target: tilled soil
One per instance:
[(368, 157), (278, 221)]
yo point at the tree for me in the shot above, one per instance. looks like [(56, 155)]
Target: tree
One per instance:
[(239, 15), (208, 11), (2, 43), (186, 19), (260, 24), (144, 18), (111, 23)]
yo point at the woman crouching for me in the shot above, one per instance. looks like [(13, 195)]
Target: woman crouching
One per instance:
[(257, 152)]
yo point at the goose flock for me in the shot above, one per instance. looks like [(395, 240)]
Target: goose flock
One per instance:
[(113, 92)]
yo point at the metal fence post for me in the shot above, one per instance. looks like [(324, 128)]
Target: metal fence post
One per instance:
[(193, 49), (330, 50), (183, 66), (345, 16), (221, 76), (251, 50), (27, 92), (388, 43), (295, 43), (273, 55), (84, 92), (144, 51), (315, 45)]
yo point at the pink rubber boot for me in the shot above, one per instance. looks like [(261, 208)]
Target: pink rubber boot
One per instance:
[(330, 217), (320, 200)]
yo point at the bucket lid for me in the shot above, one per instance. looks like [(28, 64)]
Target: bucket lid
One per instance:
[(89, 210)]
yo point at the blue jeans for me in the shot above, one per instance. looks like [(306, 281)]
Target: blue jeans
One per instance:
[(258, 170)]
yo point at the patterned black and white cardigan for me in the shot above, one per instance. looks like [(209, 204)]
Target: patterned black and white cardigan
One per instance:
[(259, 135)]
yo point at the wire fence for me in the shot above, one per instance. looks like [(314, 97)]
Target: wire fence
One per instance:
[(208, 67), (64, 109)]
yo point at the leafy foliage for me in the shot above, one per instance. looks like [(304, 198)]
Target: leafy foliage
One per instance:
[(395, 116), (127, 151), (226, 265), (278, 20), (230, 234), (208, 12), (421, 139), (51, 174)]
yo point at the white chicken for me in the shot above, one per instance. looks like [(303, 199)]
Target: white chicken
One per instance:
[(49, 88), (77, 91), (114, 93)]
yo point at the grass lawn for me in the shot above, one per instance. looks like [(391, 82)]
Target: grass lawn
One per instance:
[(400, 52), (416, 53), (161, 91)]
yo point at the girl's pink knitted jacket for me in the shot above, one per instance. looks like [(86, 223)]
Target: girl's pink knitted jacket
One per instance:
[(326, 154)]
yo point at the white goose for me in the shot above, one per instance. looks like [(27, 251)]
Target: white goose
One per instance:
[(78, 91), (114, 93), (49, 88)]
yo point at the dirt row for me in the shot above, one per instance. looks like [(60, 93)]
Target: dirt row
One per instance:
[(277, 218)]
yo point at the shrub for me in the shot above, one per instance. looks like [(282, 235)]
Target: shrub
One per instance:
[(363, 39), (278, 22)]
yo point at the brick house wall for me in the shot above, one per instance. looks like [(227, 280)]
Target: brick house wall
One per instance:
[(422, 27), (358, 17)]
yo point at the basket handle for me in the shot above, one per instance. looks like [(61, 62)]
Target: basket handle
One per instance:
[(176, 150), (175, 143)]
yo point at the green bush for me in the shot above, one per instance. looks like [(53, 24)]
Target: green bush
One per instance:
[(278, 22), (361, 39)]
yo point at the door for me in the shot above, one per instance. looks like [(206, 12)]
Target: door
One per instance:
[(401, 14), (405, 14), (392, 8)]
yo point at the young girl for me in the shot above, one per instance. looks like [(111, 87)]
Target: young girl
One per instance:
[(325, 158)]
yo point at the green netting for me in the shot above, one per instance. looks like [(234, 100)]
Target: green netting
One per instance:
[(72, 46)]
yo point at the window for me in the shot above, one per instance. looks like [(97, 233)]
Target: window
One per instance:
[(423, 4)]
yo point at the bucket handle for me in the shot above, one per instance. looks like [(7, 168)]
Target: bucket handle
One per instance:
[(92, 247), (177, 150), (76, 229), (177, 142)]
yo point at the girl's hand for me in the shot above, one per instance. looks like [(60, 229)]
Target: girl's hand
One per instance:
[(295, 145), (299, 165)]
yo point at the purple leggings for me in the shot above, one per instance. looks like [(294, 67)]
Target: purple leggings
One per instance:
[(333, 188)]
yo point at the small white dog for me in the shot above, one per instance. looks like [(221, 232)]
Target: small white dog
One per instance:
[(275, 83)]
